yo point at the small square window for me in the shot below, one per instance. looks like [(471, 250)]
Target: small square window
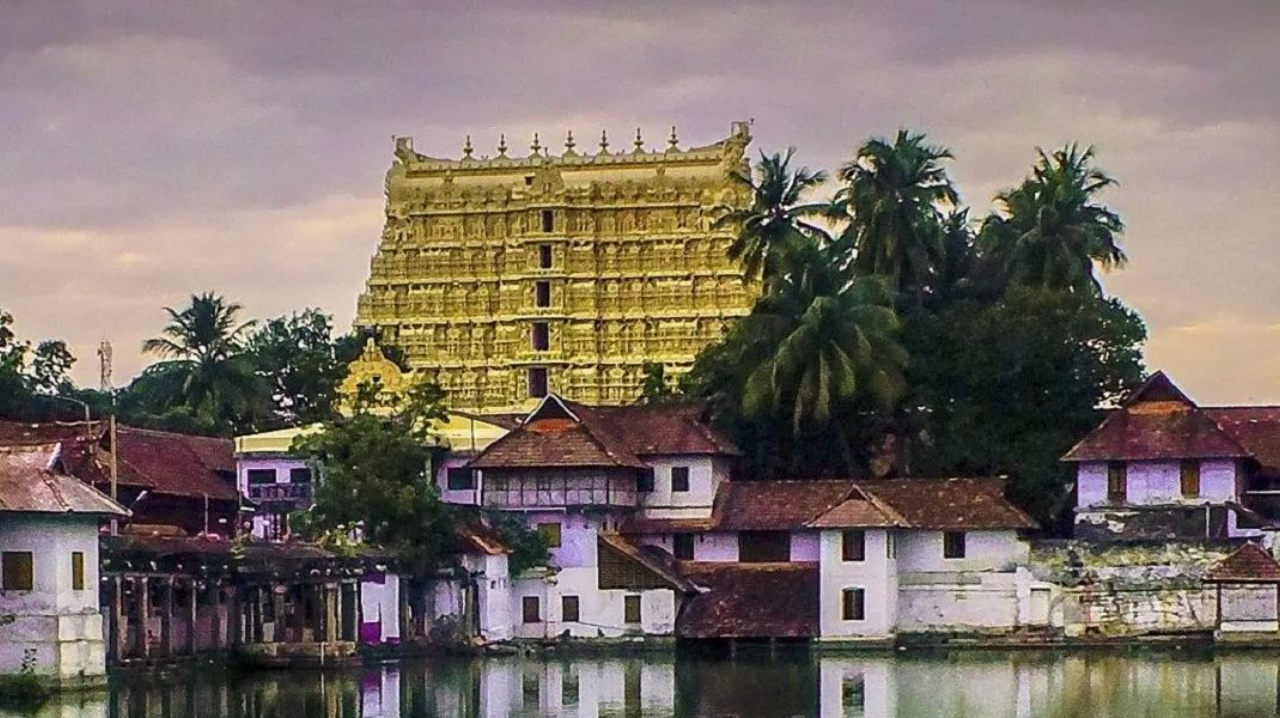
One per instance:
[(17, 571), (300, 475), (542, 294), (682, 546), (1117, 482), (544, 256), (631, 609), (854, 604), (644, 482), (679, 478), (550, 533), (953, 544), (540, 336), (569, 609), (460, 478), (530, 609), (77, 570), (537, 382), (258, 477), (1189, 478), (853, 546)]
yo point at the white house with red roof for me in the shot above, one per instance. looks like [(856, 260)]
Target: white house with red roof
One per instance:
[(50, 625)]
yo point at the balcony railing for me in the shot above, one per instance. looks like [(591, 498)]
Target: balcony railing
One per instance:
[(539, 492), (282, 493)]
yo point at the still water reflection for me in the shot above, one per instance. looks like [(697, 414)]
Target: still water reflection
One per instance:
[(960, 684)]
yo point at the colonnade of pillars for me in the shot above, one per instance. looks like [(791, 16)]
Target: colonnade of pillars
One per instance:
[(231, 614)]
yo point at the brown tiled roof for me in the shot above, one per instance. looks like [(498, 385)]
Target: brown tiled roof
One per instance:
[(477, 537), (1157, 421), (859, 511), (1256, 428), (1249, 564), (745, 600), (564, 433), (970, 504), (663, 567), (647, 525), (29, 483), (776, 505), (159, 461)]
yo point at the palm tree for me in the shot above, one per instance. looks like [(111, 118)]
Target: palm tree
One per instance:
[(822, 346), (1047, 232), (774, 224), (211, 377), (893, 195)]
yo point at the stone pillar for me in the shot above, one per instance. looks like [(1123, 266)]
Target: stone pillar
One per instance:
[(166, 617), (193, 617), (142, 612), (339, 619), (330, 612), (407, 627), (116, 637), (235, 619), (215, 613), (277, 609)]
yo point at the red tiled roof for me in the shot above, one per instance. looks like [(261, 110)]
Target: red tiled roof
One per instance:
[(477, 537), (648, 525), (1256, 428), (30, 483), (564, 433), (1157, 421), (1249, 564), (969, 504), (776, 505), (159, 461), (745, 600), (858, 512)]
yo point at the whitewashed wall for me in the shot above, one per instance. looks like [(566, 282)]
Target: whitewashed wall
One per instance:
[(1158, 482), (921, 551), (877, 575), (705, 477)]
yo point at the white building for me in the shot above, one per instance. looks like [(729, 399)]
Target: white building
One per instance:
[(50, 624)]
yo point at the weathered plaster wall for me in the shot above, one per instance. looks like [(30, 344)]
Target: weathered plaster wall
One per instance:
[(921, 551), (957, 602), (380, 609), (662, 502), (877, 575), (601, 612), (1248, 608), (54, 628), (1157, 482)]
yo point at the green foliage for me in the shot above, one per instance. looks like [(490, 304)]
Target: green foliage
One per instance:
[(529, 547), (297, 358), (654, 388), (376, 470)]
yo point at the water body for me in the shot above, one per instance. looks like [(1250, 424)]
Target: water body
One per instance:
[(1022, 684)]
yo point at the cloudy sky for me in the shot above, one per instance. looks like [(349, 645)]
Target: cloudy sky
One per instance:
[(152, 149)]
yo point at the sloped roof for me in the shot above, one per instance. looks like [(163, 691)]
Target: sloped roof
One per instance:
[(30, 483), (751, 600), (950, 504), (1158, 421), (665, 568), (776, 505), (478, 537), (858, 511), (567, 434), (1256, 428), (159, 461), (1249, 564)]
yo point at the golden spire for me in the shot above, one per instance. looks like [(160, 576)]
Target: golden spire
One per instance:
[(502, 145), (672, 141), (604, 142), (466, 149), (638, 142), (535, 147)]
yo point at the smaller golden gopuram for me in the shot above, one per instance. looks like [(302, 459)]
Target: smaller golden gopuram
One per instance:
[(503, 278)]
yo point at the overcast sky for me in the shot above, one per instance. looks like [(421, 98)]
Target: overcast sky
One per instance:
[(148, 152)]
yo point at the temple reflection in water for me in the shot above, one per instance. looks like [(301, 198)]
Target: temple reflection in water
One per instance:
[(988, 684)]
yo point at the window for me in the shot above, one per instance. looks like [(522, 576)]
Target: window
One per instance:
[(257, 477), (764, 546), (853, 546), (530, 609), (853, 606), (300, 475), (1189, 472), (77, 570), (853, 693), (16, 571), (890, 546), (569, 609), (644, 482), (542, 294), (548, 221), (682, 546), (1117, 481), (953, 544), (550, 533), (540, 336), (631, 609), (537, 382), (569, 690), (459, 478), (544, 256), (528, 180), (679, 478)]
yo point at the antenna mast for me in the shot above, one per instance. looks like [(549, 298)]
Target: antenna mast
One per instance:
[(104, 383)]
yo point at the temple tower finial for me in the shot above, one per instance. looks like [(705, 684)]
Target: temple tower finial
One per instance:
[(638, 142), (502, 145), (466, 148), (604, 142)]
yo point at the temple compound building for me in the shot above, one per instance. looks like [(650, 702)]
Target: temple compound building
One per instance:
[(506, 278)]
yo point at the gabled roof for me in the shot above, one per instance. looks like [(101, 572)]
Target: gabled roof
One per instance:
[(31, 482), (1256, 428), (158, 461), (858, 511), (567, 434), (663, 568), (1249, 564), (1158, 421), (751, 600), (776, 505), (950, 504)]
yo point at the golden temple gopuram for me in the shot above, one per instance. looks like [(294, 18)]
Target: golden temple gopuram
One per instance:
[(504, 278)]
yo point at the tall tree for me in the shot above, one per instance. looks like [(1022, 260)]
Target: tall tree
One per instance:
[(893, 195), (298, 361), (207, 374), (1048, 232), (50, 368), (777, 221)]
